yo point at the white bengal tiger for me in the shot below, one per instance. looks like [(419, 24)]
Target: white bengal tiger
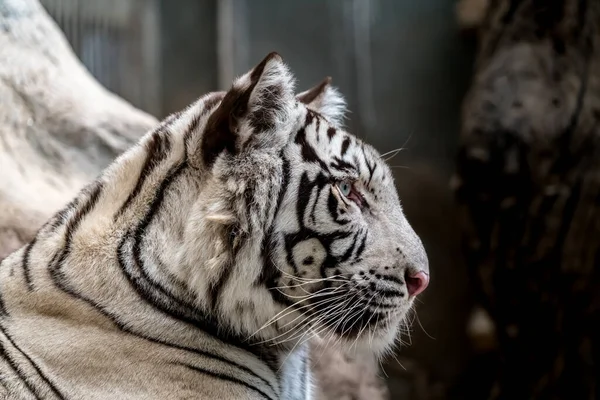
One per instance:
[(200, 263)]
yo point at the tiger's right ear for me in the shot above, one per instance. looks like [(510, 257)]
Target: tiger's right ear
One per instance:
[(326, 100), (258, 102)]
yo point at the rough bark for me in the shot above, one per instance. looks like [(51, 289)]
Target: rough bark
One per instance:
[(528, 183)]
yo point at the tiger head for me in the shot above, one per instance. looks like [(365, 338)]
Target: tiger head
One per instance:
[(297, 229)]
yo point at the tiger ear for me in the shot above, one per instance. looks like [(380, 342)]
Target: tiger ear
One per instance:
[(326, 100), (259, 101)]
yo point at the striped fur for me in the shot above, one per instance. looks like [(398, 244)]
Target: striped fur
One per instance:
[(200, 263)]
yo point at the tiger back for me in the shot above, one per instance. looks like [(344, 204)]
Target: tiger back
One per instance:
[(203, 260)]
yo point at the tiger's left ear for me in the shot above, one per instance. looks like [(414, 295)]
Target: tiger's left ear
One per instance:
[(326, 100), (261, 101)]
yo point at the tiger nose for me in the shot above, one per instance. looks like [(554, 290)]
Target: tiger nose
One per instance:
[(416, 282), (416, 265)]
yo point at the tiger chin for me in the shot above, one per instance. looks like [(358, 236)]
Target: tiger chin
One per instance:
[(203, 260)]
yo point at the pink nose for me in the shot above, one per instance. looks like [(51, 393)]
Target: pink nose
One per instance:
[(416, 283)]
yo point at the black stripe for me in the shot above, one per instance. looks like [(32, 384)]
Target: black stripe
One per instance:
[(303, 198), (332, 206), (209, 103), (157, 148), (227, 378), (167, 122), (310, 116), (389, 292), (220, 134), (392, 279), (350, 249), (93, 191), (342, 165), (361, 248), (317, 129), (321, 182), (24, 378), (214, 291), (331, 131), (159, 145), (252, 207), (345, 145), (269, 272), (51, 385), (3, 311), (371, 167), (25, 264), (61, 216), (308, 152)]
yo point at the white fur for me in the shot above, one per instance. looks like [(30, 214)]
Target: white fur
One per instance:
[(331, 104), (212, 245)]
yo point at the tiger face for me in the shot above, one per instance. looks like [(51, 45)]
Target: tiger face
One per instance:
[(345, 255), (312, 218)]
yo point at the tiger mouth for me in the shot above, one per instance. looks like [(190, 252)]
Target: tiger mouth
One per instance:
[(362, 317), (347, 309), (364, 324)]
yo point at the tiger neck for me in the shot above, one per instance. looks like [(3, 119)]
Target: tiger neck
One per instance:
[(185, 267), (190, 257), (155, 228)]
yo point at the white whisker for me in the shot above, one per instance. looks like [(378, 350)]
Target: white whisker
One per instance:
[(277, 316), (308, 317)]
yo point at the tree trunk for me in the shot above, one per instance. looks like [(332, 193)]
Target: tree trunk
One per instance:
[(528, 184)]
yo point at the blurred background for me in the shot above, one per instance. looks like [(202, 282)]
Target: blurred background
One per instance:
[(403, 66)]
